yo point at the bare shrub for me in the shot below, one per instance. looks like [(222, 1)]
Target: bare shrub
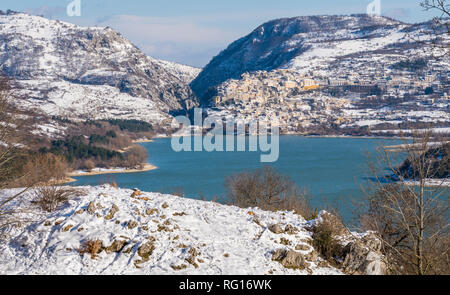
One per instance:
[(108, 179), (268, 190), (177, 191), (15, 127), (136, 157), (440, 25), (120, 142), (49, 198), (88, 165), (325, 237)]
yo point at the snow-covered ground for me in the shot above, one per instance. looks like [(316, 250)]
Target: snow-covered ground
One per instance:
[(188, 237), (88, 72), (432, 183)]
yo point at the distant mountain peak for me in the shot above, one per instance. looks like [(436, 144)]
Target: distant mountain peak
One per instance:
[(282, 43), (57, 57)]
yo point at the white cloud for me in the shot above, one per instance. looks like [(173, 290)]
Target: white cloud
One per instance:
[(176, 39)]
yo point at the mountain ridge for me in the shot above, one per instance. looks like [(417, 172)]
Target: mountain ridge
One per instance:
[(45, 57), (275, 43)]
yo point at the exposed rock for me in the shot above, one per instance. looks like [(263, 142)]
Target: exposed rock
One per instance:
[(302, 247), (191, 261), (146, 250), (151, 211), (323, 263), (67, 228), (112, 212), (59, 222), (312, 256), (285, 242), (116, 246), (91, 208), (291, 230), (132, 224), (81, 211), (290, 259), (193, 252), (179, 267), (364, 257), (276, 228), (162, 228), (136, 193)]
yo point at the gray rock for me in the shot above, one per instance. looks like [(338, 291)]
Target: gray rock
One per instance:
[(91, 208), (302, 247), (291, 230), (132, 224), (116, 246), (276, 228), (364, 257), (290, 259), (112, 212)]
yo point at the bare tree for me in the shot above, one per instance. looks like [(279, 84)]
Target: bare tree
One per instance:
[(11, 139), (19, 166), (437, 35), (408, 205)]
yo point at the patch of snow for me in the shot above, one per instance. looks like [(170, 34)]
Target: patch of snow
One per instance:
[(227, 238)]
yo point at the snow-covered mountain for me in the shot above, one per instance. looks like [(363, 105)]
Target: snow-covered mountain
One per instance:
[(301, 44), (89, 72)]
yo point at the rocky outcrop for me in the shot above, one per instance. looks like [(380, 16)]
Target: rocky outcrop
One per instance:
[(116, 246), (356, 254), (146, 250), (364, 256), (112, 212), (290, 259), (278, 229)]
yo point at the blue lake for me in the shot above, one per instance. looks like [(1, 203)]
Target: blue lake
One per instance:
[(331, 169)]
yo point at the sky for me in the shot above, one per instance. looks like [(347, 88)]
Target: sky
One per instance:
[(191, 32)]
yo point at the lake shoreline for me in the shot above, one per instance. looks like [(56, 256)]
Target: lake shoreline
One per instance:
[(147, 167), (302, 135), (142, 140)]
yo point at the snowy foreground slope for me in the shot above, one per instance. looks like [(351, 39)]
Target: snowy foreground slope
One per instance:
[(187, 237)]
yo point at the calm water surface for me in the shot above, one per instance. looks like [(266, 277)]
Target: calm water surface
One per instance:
[(331, 169)]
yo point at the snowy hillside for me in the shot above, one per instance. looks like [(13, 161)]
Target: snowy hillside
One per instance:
[(183, 72), (65, 69), (151, 233), (303, 44)]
